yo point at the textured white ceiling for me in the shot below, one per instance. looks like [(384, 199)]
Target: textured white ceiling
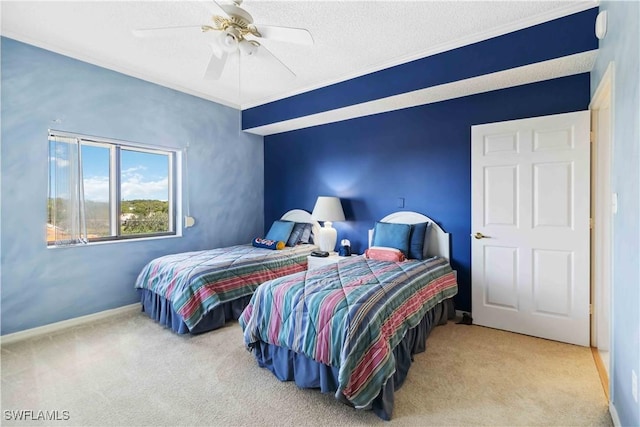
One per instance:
[(351, 38)]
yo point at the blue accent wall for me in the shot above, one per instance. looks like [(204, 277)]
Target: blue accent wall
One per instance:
[(421, 154), (225, 175), (554, 39), (622, 47)]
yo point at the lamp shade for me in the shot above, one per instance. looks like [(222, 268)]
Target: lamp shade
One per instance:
[(328, 209)]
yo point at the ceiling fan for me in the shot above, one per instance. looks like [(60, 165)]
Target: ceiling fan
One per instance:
[(236, 33)]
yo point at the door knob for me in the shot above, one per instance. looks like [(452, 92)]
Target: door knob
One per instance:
[(479, 235)]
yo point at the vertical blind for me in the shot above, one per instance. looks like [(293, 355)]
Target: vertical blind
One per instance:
[(66, 206)]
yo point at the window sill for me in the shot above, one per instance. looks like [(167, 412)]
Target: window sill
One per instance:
[(109, 242)]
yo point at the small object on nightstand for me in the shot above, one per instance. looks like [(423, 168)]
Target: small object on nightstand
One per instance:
[(322, 254), (345, 248)]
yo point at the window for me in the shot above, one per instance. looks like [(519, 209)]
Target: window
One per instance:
[(109, 190)]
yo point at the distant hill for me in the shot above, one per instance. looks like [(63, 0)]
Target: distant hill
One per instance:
[(139, 216)]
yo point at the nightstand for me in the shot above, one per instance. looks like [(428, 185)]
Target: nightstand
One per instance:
[(314, 262)]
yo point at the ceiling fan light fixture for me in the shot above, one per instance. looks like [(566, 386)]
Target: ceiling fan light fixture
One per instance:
[(248, 47), (229, 42), (230, 39)]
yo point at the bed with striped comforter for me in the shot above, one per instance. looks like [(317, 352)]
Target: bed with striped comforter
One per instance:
[(195, 283), (348, 315)]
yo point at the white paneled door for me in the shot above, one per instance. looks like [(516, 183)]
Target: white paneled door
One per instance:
[(530, 225)]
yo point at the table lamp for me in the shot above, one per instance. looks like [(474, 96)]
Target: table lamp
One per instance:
[(327, 209)]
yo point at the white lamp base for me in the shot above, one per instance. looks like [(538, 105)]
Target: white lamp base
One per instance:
[(327, 237)]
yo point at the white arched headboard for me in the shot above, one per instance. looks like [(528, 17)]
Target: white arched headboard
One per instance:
[(438, 239), (299, 215)]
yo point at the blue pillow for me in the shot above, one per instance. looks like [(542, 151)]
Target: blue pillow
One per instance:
[(280, 231), (300, 234), (392, 235), (416, 241), (307, 235), (427, 233), (419, 240)]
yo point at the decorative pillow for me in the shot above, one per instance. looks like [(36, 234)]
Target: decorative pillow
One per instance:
[(427, 233), (280, 230), (417, 240), (380, 253), (300, 234), (392, 235), (307, 234), (267, 244)]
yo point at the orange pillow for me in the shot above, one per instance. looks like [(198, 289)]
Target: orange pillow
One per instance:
[(382, 253)]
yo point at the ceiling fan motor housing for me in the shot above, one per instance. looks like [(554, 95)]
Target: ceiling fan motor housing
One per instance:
[(235, 27), (237, 16)]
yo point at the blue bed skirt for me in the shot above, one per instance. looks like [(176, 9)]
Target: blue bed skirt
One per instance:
[(287, 365), (159, 309)]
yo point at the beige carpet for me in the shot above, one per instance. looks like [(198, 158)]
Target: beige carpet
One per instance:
[(130, 371)]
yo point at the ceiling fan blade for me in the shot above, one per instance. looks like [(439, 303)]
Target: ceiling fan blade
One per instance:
[(215, 66), (264, 54), (218, 10), (286, 34), (182, 29), (167, 31)]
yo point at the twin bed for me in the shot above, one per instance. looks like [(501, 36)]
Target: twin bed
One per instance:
[(196, 292), (350, 328)]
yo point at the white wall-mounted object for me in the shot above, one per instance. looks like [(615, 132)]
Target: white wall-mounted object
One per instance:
[(601, 25)]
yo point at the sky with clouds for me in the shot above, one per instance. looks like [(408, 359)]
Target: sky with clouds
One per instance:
[(143, 175)]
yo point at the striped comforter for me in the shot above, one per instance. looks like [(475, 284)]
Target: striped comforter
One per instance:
[(349, 315), (197, 282)]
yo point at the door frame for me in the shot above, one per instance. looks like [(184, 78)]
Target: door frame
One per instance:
[(602, 98)]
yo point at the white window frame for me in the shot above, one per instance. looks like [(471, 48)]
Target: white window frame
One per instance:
[(175, 156)]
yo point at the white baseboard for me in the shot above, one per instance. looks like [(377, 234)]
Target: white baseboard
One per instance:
[(65, 324), (614, 415)]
